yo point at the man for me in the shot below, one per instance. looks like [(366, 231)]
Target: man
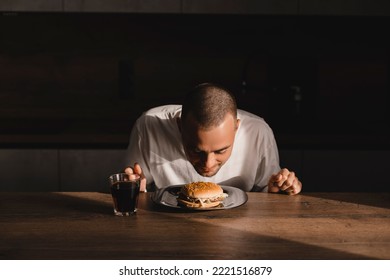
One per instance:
[(207, 139)]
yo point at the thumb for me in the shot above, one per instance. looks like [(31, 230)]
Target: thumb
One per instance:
[(276, 177), (272, 183), (138, 170)]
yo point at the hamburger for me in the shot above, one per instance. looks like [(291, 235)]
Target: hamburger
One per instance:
[(201, 195)]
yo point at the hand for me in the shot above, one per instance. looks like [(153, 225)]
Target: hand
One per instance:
[(284, 181), (136, 172)]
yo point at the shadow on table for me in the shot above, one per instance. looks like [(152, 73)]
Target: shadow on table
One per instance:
[(381, 200), (55, 204)]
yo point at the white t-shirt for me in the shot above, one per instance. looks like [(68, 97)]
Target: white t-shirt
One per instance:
[(155, 143)]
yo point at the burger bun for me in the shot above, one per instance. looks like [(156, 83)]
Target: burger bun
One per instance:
[(201, 195)]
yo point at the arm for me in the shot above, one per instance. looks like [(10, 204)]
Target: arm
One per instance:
[(135, 154)]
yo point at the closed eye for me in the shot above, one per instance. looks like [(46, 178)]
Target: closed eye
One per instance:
[(220, 152)]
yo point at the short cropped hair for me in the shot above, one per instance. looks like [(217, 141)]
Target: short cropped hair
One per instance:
[(208, 104)]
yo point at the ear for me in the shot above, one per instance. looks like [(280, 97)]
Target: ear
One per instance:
[(238, 123)]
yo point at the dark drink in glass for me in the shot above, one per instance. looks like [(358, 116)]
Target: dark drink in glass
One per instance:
[(124, 193)]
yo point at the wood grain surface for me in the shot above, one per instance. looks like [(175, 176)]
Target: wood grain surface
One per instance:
[(81, 225)]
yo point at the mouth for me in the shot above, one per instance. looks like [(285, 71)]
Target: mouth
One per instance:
[(207, 172)]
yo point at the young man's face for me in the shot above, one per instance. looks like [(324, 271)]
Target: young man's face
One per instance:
[(208, 150)]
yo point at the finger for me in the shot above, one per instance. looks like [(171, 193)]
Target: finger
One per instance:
[(132, 175), (129, 170), (285, 173), (275, 178), (295, 188), (138, 170), (290, 190), (288, 182)]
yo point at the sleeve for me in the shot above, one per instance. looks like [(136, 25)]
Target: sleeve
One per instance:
[(269, 160), (137, 150)]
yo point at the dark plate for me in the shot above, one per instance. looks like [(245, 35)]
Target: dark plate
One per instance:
[(167, 197)]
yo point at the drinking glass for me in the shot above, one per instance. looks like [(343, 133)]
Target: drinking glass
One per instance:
[(125, 191)]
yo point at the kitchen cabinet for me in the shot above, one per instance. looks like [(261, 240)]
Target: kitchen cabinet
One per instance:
[(345, 7), (88, 169), (154, 6), (29, 170), (31, 6), (240, 7), (123, 6), (37, 170), (260, 7)]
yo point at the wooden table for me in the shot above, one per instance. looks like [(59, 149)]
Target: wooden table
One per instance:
[(71, 225)]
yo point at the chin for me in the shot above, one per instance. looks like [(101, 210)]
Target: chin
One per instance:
[(207, 174)]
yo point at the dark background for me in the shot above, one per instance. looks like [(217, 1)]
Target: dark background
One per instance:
[(72, 84)]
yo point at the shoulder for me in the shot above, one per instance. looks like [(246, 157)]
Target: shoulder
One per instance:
[(254, 129), (159, 119), (248, 119), (165, 111)]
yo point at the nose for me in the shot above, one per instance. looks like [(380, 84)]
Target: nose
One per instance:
[(209, 160)]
